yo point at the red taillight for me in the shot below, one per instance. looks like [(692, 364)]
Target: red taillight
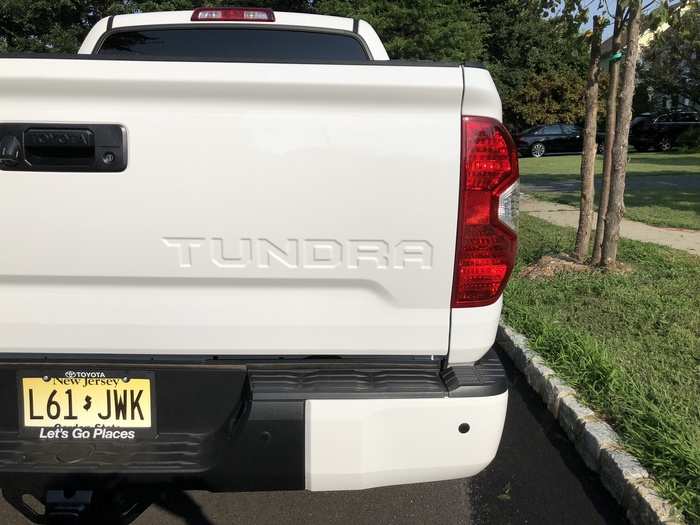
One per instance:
[(486, 238), (233, 14)]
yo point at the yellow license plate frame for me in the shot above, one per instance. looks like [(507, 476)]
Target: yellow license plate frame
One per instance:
[(86, 404)]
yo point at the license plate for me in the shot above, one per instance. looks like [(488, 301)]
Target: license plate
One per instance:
[(86, 405)]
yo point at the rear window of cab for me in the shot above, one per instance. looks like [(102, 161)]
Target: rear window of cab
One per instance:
[(235, 43)]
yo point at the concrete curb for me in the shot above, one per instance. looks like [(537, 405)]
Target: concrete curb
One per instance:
[(597, 443)]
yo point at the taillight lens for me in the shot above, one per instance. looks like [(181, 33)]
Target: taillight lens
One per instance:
[(233, 14), (488, 209)]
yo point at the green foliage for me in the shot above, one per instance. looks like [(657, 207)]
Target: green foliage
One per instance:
[(538, 59), (630, 345), (544, 97), (418, 29), (670, 66), (59, 26)]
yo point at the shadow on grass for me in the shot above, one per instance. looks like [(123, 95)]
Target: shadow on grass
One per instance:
[(673, 200), (669, 160), (680, 173), (670, 209), (636, 182)]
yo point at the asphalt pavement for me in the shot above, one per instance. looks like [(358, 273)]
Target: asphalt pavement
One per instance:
[(536, 478)]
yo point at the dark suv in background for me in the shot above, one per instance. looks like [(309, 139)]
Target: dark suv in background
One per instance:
[(664, 131)]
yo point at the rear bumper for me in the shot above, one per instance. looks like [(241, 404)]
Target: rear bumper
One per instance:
[(359, 444), (333, 424)]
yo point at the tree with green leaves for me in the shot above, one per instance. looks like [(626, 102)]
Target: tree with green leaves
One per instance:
[(450, 30), (627, 26), (59, 26), (538, 59), (670, 64)]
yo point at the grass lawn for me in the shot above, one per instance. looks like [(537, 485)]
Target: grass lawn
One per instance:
[(629, 343), (641, 164), (667, 208), (659, 206)]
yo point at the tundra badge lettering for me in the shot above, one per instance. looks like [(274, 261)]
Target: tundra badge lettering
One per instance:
[(300, 253)]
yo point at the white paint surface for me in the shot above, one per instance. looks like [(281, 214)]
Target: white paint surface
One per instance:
[(343, 178), (359, 444)]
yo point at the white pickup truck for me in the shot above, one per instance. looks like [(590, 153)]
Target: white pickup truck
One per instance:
[(244, 250)]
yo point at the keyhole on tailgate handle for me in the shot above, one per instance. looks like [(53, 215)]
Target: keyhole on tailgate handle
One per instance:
[(463, 428), (10, 151), (108, 157), (265, 437)]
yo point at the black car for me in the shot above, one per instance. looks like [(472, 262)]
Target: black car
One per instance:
[(663, 131), (551, 138)]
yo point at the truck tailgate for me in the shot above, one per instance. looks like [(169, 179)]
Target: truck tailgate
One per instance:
[(266, 209)]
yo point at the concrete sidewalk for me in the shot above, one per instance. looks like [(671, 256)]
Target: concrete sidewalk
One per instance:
[(563, 215)]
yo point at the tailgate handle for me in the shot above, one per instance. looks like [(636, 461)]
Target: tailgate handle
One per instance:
[(59, 147), (68, 147)]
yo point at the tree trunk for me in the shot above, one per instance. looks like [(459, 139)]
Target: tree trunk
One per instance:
[(585, 217), (613, 81), (616, 205)]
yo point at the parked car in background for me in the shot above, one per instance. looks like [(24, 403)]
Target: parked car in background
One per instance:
[(552, 138), (662, 131)]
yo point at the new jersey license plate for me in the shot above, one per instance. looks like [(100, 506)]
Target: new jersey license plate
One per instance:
[(88, 405)]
